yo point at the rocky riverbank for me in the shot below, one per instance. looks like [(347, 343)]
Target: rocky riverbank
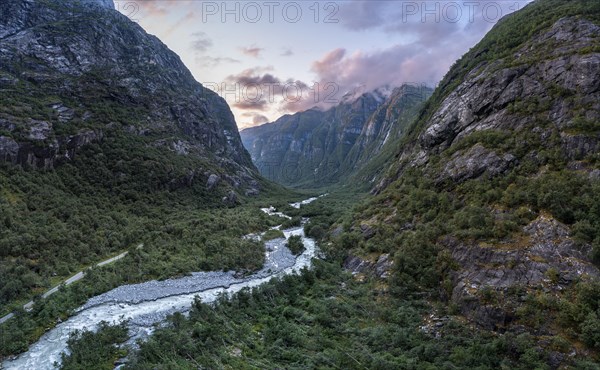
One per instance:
[(146, 304)]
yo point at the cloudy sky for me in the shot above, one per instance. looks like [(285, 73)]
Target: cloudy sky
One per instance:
[(269, 58)]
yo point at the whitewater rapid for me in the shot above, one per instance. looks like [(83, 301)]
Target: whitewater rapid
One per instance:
[(146, 304)]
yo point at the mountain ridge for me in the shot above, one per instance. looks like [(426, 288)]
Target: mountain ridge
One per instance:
[(493, 186), (321, 147), (104, 132), (150, 81)]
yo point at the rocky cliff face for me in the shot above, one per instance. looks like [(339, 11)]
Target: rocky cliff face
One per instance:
[(74, 72), (383, 126), (549, 85), (497, 176), (321, 147), (555, 97)]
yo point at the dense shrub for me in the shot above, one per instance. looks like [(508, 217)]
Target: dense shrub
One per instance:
[(295, 244)]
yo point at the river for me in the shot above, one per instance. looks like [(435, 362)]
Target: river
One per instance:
[(146, 304)]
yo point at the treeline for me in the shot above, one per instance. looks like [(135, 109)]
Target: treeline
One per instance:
[(322, 319), (326, 318), (106, 200), (112, 197)]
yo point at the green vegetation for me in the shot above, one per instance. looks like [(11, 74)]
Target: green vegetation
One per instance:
[(332, 152), (500, 44), (295, 244), (42, 212), (95, 350), (292, 222), (176, 244), (273, 234), (337, 206), (110, 198), (417, 216), (325, 319)]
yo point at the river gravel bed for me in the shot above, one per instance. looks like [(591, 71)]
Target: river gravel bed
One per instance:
[(148, 304), (278, 257)]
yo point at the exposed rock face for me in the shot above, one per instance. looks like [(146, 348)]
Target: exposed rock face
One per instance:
[(541, 96), (379, 268), (482, 101), (577, 147), (308, 146), (499, 125), (546, 260), (83, 68), (212, 181), (231, 199), (322, 147), (102, 3), (9, 149), (558, 88), (31, 155), (386, 125), (475, 162)]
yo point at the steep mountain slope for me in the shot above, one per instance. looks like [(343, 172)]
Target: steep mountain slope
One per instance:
[(69, 68), (104, 137), (308, 147), (478, 248), (318, 148), (377, 143), (492, 202)]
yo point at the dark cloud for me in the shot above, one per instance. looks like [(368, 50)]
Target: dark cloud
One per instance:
[(210, 62), (252, 76), (423, 18), (431, 43), (252, 51), (361, 15), (249, 104), (251, 119), (341, 72), (201, 42), (259, 119), (258, 89), (253, 88), (287, 53), (431, 25)]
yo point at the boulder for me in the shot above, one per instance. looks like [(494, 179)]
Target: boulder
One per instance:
[(212, 181)]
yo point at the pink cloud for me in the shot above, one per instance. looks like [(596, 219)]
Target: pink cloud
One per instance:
[(252, 51)]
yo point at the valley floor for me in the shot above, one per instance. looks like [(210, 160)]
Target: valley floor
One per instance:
[(182, 240), (327, 318)]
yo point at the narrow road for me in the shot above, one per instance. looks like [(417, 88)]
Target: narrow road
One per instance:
[(78, 276)]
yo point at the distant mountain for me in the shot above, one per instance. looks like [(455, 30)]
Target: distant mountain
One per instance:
[(316, 148)]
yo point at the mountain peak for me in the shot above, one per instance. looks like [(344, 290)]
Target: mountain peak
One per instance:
[(380, 94)]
